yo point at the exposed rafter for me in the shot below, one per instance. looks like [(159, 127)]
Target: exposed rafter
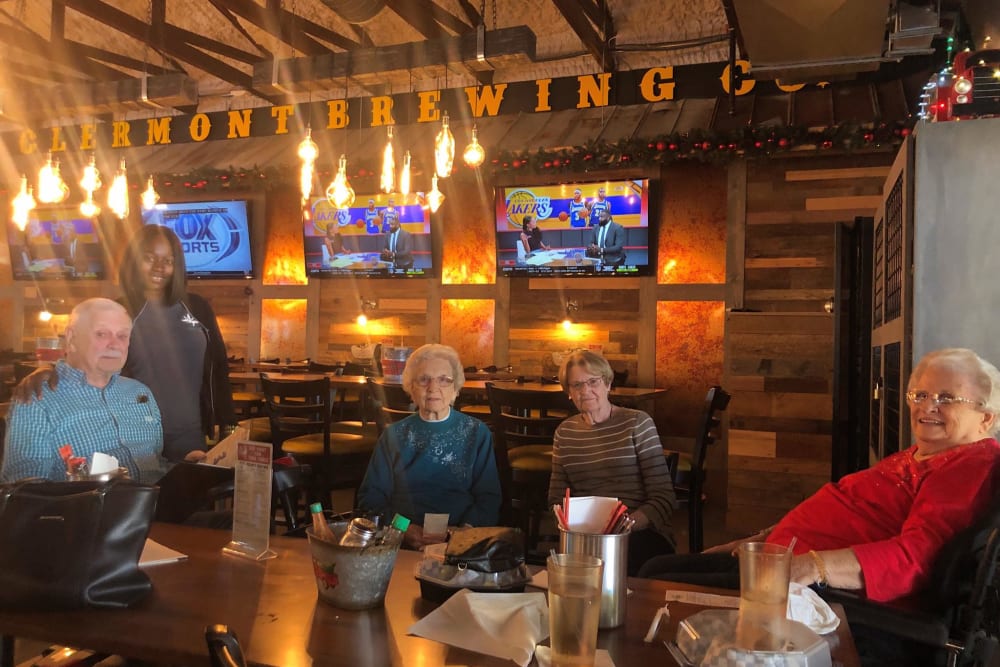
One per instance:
[(63, 54), (598, 44), (434, 23), (139, 30), (300, 37)]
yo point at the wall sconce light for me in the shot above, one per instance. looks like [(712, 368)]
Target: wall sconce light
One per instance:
[(571, 307), (828, 305), (367, 306)]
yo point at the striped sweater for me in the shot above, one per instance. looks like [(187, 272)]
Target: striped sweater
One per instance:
[(619, 458)]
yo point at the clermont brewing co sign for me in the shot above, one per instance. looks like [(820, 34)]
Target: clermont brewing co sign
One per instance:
[(655, 84)]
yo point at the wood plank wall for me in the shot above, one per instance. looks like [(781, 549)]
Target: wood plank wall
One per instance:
[(779, 359)]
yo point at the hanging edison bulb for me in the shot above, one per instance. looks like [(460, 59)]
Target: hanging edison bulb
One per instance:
[(88, 206), (388, 180), (474, 153), (404, 175), (22, 205), (90, 181), (444, 149), (149, 196), (340, 194), (118, 192), (308, 152), (435, 197), (51, 187)]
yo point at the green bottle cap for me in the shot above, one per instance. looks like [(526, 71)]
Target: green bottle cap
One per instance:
[(316, 508), (400, 523)]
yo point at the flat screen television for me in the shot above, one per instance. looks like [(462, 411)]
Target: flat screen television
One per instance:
[(59, 243), (358, 241), (215, 236), (571, 240)]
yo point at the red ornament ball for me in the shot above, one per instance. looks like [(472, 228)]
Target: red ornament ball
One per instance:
[(783, 142), (517, 164), (588, 156), (625, 158), (556, 163), (660, 146), (758, 144), (905, 132), (673, 146), (187, 184), (706, 146), (548, 164)]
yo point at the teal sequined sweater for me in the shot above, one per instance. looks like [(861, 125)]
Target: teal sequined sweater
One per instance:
[(440, 467)]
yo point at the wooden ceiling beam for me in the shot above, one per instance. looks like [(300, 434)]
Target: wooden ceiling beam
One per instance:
[(119, 59), (505, 46), (60, 54), (139, 30), (471, 13), (298, 38), (599, 47), (415, 13)]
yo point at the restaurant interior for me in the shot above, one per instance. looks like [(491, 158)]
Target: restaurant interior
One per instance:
[(767, 161)]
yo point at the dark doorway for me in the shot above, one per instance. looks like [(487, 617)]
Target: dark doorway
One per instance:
[(852, 346)]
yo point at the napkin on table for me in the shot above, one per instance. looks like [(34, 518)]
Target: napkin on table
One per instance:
[(808, 608), (504, 625)]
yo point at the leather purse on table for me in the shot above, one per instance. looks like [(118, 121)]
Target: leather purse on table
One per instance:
[(67, 545)]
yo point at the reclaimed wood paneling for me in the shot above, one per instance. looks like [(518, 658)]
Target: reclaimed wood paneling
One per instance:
[(231, 304)]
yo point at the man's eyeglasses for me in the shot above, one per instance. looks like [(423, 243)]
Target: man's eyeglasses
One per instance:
[(442, 380), (592, 383), (918, 397)]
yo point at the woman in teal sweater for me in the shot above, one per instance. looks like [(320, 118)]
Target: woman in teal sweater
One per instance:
[(438, 460)]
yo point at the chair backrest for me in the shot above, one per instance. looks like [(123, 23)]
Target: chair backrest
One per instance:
[(390, 402), (297, 407), (522, 418), (716, 401), (316, 367)]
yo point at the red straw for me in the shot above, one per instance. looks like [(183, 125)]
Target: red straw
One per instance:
[(614, 517)]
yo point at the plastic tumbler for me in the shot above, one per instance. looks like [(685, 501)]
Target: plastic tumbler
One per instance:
[(764, 575), (574, 608)]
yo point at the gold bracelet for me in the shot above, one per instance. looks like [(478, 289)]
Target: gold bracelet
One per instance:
[(821, 566)]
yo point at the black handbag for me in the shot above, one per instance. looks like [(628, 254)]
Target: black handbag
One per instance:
[(488, 549), (67, 545)]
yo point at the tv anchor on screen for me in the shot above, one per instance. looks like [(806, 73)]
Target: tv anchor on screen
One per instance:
[(398, 246)]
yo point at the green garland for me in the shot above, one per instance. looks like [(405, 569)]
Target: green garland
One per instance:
[(701, 145)]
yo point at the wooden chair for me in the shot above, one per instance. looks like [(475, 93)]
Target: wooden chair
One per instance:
[(390, 403), (524, 424), (299, 415), (689, 485)]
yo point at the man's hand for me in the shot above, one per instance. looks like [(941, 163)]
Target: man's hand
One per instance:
[(31, 387)]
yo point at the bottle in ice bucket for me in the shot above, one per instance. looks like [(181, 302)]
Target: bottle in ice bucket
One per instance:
[(359, 533), (394, 533), (321, 528)]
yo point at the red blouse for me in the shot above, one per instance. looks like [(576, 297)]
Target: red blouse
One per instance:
[(897, 515)]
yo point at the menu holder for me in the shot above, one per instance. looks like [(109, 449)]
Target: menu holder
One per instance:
[(252, 502)]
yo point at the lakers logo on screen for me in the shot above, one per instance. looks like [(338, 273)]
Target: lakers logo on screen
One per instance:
[(524, 202)]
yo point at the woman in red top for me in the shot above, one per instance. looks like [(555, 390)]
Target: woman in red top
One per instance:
[(879, 530)]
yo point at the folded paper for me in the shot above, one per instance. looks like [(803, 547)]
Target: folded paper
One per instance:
[(503, 625)]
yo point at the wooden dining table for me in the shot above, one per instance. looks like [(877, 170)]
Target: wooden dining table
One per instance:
[(273, 608)]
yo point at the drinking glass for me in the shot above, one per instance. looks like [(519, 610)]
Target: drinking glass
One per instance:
[(574, 608), (764, 575)]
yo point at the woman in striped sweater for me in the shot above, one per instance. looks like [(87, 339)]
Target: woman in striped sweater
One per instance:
[(608, 450)]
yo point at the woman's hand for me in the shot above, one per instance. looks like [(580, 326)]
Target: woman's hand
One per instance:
[(641, 520), (414, 538), (195, 456), (31, 386)]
